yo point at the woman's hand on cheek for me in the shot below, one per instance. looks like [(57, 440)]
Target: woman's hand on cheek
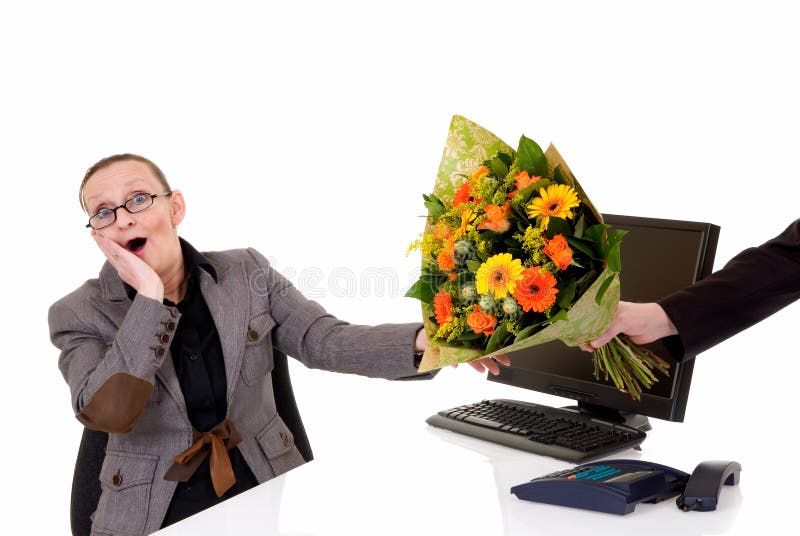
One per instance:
[(131, 269)]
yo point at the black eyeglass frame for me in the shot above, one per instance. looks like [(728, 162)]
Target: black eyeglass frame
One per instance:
[(124, 205)]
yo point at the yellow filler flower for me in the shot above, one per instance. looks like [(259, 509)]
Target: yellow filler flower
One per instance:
[(498, 275), (557, 201)]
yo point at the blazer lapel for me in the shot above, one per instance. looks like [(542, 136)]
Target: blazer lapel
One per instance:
[(115, 305), (228, 301)]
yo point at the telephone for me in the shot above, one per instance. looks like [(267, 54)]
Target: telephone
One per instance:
[(617, 486)]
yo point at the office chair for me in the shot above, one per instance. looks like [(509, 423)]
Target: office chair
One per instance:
[(86, 479)]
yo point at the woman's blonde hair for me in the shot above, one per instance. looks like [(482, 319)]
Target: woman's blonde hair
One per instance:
[(107, 161)]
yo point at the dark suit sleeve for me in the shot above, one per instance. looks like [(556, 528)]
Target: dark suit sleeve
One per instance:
[(753, 285)]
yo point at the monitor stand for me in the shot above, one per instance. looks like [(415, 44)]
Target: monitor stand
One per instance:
[(634, 420)]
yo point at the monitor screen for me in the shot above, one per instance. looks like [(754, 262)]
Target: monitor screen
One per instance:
[(658, 257)]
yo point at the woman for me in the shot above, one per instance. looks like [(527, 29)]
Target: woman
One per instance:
[(170, 351)]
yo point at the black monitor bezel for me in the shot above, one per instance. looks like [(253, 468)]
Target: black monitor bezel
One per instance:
[(606, 396)]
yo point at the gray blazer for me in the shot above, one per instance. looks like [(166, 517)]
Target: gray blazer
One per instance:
[(115, 357)]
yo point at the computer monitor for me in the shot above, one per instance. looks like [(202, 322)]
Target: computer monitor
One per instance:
[(658, 257)]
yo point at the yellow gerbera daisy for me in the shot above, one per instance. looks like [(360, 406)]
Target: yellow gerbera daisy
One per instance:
[(498, 275), (557, 200), (467, 217)]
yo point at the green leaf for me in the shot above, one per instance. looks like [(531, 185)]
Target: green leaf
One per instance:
[(602, 290), (434, 205), (524, 195), (615, 236), (470, 336), (531, 158), (558, 177), (429, 285), (465, 278), (541, 183), (527, 332), (424, 290), (560, 315), (413, 292), (519, 212), (473, 266), (595, 233), (566, 292), (580, 226), (583, 246), (557, 226), (614, 258), (506, 158), (499, 168), (498, 338)]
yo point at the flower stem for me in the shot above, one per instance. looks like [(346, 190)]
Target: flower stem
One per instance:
[(630, 367)]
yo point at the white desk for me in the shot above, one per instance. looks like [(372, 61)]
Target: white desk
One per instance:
[(403, 477)]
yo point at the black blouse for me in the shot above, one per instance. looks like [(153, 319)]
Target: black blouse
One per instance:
[(197, 356)]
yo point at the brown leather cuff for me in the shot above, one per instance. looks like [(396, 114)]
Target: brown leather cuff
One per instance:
[(116, 404)]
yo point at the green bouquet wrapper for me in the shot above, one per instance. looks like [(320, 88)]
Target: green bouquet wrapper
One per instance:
[(575, 321)]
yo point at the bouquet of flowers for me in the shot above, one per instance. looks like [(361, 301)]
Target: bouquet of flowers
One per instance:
[(513, 255)]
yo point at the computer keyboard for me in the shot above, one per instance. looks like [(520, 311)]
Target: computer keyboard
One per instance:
[(561, 433)]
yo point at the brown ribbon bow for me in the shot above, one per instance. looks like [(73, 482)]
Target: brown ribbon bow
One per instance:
[(221, 439)]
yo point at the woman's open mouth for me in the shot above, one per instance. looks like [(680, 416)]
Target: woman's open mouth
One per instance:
[(136, 245)]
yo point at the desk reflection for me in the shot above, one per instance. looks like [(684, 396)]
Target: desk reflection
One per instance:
[(254, 512)]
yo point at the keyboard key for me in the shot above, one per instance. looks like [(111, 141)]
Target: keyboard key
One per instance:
[(482, 422)]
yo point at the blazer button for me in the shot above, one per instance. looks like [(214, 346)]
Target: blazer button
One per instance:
[(252, 335), (285, 439), (117, 479), (164, 338), (173, 311), (170, 325), (160, 351)]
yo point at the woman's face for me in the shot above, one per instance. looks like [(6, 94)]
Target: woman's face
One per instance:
[(151, 234)]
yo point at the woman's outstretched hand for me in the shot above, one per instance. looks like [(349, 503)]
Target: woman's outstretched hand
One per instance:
[(492, 364), (481, 365)]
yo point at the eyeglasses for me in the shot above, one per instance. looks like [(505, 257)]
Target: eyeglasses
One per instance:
[(137, 203)]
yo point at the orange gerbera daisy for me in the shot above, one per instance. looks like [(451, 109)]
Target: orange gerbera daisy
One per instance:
[(443, 307), (536, 290), (559, 251), (462, 194), (496, 218), (441, 231), (480, 322), (445, 259)]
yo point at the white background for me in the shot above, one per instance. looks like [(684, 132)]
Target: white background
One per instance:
[(309, 130)]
